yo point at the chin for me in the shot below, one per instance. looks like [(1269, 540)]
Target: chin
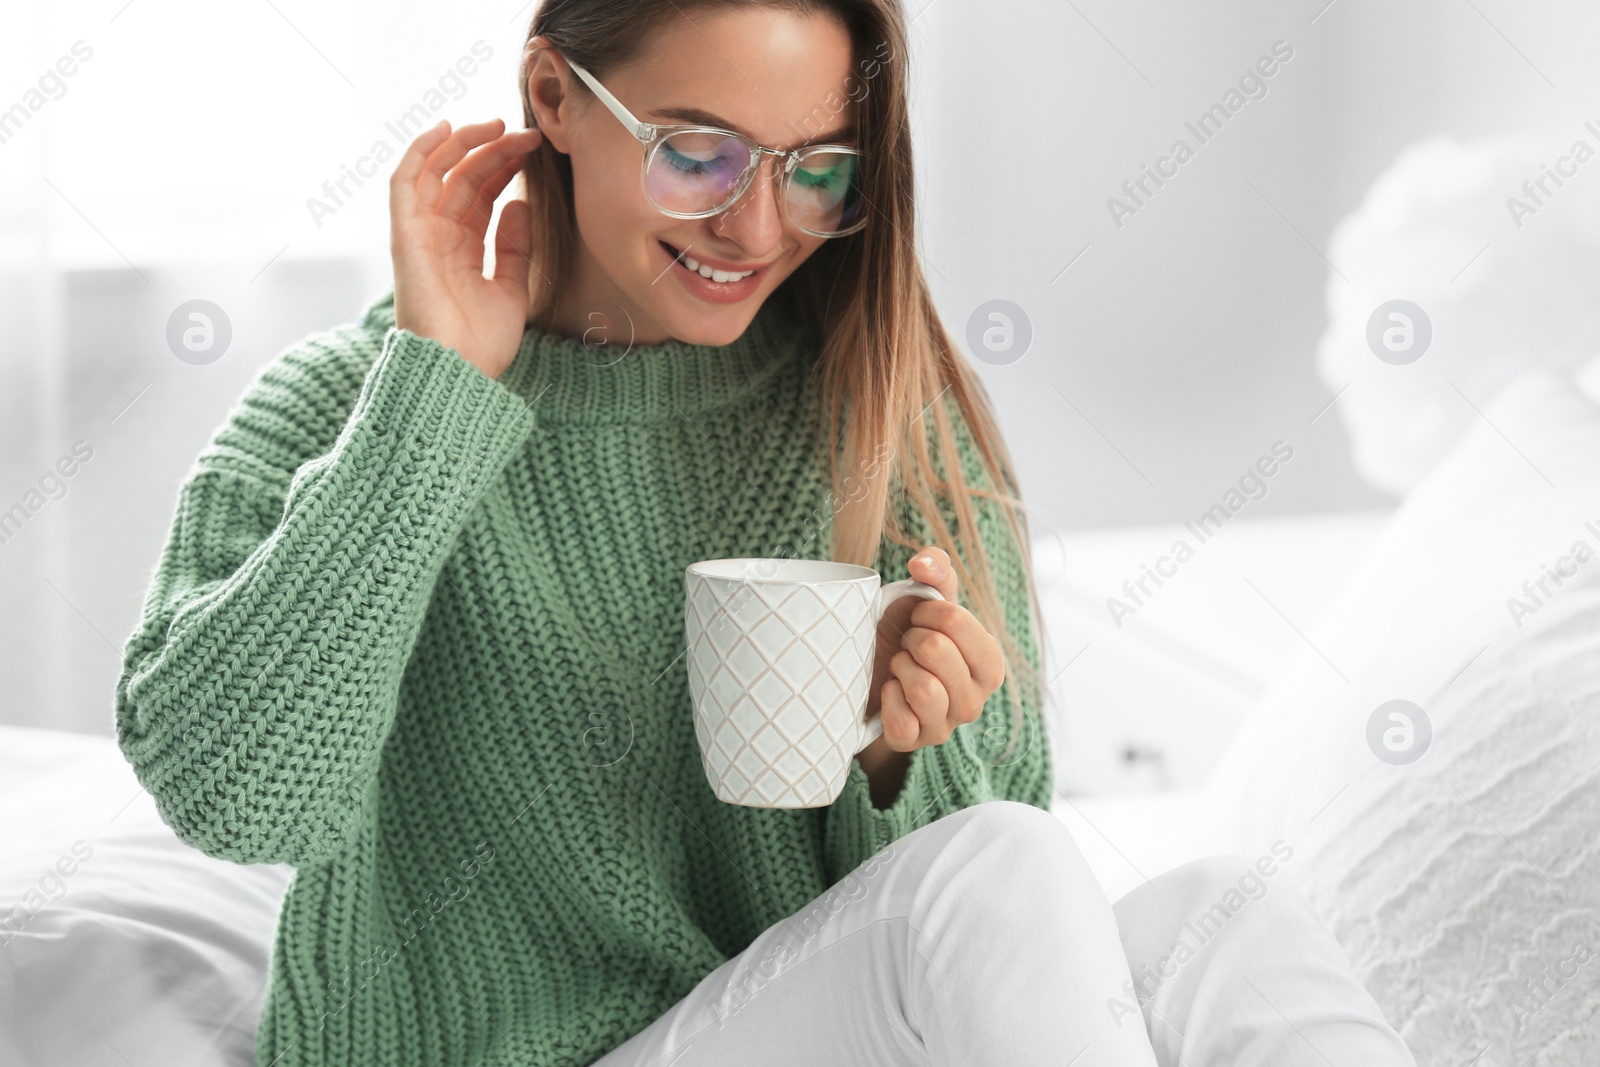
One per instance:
[(713, 328)]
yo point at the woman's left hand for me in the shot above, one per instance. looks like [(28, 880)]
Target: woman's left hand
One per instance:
[(935, 668)]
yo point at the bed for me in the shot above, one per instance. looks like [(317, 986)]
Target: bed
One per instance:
[(1464, 884)]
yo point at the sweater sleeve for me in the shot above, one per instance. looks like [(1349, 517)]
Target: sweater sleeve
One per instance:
[(989, 759), (261, 680)]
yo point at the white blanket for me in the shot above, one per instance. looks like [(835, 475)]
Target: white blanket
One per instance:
[(119, 943)]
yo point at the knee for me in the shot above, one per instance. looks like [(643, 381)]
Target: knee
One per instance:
[(1017, 824), (1002, 875), (1217, 889), (1212, 874), (1006, 842), (1225, 876)]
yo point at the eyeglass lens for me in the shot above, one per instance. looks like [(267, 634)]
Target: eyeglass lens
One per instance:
[(695, 172)]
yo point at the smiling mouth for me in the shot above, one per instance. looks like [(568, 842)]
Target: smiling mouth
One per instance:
[(709, 273)]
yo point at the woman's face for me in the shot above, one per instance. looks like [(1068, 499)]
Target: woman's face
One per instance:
[(779, 78)]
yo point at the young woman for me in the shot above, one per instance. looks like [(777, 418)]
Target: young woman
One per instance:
[(417, 628)]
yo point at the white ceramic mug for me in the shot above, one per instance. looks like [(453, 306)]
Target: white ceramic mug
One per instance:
[(780, 662)]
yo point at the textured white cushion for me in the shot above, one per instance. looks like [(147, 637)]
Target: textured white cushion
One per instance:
[(1453, 881), (1430, 595), (1466, 887)]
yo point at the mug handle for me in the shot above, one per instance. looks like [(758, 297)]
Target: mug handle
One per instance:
[(888, 595)]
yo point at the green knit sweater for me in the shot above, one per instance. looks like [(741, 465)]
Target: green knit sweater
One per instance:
[(418, 632)]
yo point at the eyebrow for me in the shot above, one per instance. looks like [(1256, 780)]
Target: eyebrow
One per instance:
[(698, 117)]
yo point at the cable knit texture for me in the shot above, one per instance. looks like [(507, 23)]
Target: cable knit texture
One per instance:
[(419, 632)]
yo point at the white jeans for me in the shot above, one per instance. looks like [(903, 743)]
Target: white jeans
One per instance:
[(983, 938)]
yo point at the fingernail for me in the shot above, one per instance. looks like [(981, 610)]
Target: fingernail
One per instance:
[(928, 560)]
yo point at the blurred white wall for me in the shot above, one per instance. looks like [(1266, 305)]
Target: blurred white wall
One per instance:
[(1179, 346), (175, 162)]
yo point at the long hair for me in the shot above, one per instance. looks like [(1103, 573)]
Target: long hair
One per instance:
[(886, 358)]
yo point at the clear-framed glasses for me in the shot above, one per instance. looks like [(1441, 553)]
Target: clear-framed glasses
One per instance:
[(694, 172)]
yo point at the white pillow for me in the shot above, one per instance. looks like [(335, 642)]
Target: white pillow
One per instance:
[(118, 942), (1508, 502), (1465, 887)]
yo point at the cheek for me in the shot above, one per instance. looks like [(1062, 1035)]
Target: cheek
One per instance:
[(805, 246), (613, 216)]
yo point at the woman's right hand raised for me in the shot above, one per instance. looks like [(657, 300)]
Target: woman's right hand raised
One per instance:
[(441, 197)]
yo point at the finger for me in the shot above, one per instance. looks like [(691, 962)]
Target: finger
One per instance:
[(980, 651), (484, 166), (936, 653), (430, 180), (926, 696), (932, 566), (901, 727), (484, 173), (510, 241), (477, 219), (402, 183)]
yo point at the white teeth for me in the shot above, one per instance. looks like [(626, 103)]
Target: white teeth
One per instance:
[(715, 275)]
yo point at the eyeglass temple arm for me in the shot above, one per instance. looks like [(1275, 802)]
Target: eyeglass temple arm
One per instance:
[(644, 131)]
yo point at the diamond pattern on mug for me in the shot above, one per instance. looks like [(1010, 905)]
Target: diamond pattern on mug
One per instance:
[(804, 654), (744, 662), (728, 741), (769, 631), (795, 720), (798, 664), (725, 686), (792, 765), (770, 690), (753, 767), (769, 744), (815, 745), (813, 784), (736, 781), (826, 632), (823, 691)]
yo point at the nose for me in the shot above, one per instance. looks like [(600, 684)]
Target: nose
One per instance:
[(755, 221)]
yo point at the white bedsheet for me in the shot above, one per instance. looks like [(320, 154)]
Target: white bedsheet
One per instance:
[(119, 944), (152, 952)]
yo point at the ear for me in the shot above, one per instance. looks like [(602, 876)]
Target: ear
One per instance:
[(550, 82)]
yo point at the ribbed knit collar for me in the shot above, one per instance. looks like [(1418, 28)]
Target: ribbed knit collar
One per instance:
[(567, 380)]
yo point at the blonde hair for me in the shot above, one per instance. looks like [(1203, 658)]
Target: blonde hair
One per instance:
[(886, 358)]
